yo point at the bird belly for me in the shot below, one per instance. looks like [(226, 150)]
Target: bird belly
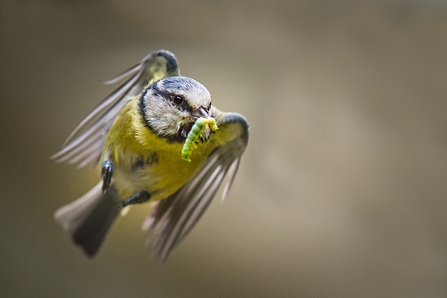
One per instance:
[(160, 173)]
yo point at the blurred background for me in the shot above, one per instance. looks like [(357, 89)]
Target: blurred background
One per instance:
[(342, 191)]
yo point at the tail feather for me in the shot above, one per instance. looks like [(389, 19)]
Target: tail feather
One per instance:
[(88, 219)]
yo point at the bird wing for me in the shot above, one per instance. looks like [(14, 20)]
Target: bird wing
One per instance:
[(86, 142), (173, 217)]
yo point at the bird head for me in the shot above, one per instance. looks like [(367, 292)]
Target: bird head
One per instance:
[(171, 106)]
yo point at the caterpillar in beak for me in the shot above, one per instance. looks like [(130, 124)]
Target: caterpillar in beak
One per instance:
[(195, 133)]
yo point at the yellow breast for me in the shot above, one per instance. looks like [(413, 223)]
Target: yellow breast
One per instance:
[(129, 139)]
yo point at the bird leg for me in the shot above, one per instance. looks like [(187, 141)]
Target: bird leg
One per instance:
[(138, 198), (107, 172)]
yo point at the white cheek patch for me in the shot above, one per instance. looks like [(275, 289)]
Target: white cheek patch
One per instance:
[(163, 118)]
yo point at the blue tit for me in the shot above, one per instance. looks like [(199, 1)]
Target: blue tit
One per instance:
[(135, 138)]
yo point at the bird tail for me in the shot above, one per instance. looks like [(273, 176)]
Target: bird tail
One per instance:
[(88, 219)]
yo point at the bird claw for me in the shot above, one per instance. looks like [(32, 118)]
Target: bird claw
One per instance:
[(138, 198), (107, 172)]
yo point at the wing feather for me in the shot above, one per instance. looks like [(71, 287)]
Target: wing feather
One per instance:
[(85, 143), (172, 218)]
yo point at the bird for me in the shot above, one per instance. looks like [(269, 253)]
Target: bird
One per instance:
[(135, 138)]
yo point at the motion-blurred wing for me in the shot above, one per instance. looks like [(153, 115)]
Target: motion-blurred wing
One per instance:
[(85, 143), (175, 216)]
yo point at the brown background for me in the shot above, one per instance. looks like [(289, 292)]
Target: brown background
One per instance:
[(343, 188)]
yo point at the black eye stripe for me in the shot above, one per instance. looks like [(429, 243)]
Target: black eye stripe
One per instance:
[(181, 102), (163, 93), (172, 97), (168, 95)]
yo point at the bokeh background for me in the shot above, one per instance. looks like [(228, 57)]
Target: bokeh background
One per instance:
[(342, 191)]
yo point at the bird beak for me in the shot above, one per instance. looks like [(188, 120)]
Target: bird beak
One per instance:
[(200, 112)]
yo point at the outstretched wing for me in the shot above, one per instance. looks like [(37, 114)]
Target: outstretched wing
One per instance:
[(174, 217), (85, 143)]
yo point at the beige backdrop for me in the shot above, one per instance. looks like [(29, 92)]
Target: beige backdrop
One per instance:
[(342, 191)]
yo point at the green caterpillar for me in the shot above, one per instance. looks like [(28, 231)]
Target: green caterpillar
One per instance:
[(194, 134)]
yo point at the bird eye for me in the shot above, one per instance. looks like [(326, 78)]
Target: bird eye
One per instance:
[(177, 99)]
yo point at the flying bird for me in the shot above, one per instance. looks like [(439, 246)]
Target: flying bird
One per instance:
[(156, 138)]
